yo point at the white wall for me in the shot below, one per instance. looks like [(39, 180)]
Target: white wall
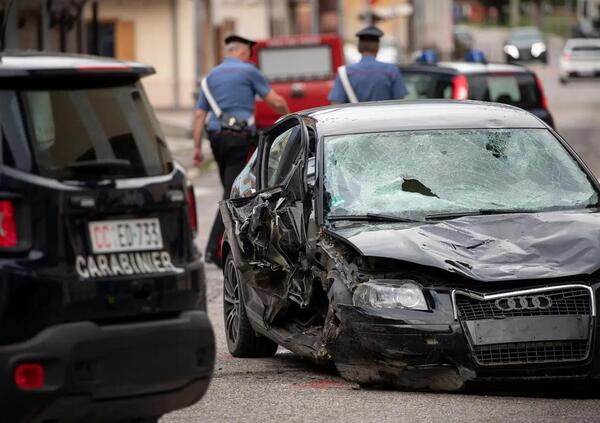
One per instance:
[(251, 17), (154, 44)]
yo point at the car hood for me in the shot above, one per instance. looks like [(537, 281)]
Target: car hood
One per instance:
[(488, 248)]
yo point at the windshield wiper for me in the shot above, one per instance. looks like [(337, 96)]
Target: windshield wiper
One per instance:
[(481, 212), (110, 165), (372, 217)]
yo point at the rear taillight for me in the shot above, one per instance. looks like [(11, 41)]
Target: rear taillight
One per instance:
[(192, 208), (541, 90), (460, 88), (29, 376), (566, 56), (8, 225), (108, 67)]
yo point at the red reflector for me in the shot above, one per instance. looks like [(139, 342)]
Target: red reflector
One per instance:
[(220, 252), (460, 88), (541, 90), (8, 226), (29, 376), (102, 68), (192, 208)]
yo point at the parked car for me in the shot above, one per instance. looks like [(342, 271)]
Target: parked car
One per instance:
[(501, 83), (301, 68), (580, 59), (418, 244), (102, 290), (525, 44)]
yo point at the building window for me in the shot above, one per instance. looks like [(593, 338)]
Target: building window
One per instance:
[(106, 39)]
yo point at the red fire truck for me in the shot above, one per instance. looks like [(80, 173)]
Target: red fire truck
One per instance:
[(300, 68)]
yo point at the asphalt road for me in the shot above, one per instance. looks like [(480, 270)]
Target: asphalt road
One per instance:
[(287, 388)]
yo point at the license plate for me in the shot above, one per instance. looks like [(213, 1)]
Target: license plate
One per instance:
[(528, 329), (114, 236)]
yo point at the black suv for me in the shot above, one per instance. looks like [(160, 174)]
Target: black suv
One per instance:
[(500, 83), (102, 290)]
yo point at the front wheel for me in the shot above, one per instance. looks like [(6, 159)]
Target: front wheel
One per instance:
[(242, 340)]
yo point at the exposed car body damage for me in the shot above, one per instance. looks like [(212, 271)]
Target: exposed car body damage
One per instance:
[(489, 248), (412, 302)]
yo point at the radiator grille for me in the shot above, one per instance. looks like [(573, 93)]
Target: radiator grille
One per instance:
[(568, 301), (572, 301), (531, 352)]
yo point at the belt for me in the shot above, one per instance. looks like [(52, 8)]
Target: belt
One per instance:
[(241, 134)]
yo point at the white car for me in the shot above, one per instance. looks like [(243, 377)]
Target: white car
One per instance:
[(580, 58)]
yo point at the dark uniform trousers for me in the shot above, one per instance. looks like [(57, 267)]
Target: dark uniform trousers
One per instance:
[(231, 151)]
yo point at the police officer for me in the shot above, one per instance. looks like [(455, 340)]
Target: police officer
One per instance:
[(369, 79), (228, 92)]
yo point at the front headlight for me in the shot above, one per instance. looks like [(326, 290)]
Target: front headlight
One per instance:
[(512, 51), (388, 293), (537, 49)]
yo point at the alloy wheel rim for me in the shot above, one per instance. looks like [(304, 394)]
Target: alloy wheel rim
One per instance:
[(231, 302)]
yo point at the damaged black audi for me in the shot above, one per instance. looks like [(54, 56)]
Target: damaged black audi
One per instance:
[(421, 245)]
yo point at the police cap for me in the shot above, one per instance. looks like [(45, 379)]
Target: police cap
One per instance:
[(233, 38), (370, 33)]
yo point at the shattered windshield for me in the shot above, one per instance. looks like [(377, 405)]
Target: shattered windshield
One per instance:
[(452, 171)]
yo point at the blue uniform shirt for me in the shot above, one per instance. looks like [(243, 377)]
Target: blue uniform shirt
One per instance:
[(372, 81), (233, 84)]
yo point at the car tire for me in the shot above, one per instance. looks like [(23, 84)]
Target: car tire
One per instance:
[(563, 80), (242, 340)]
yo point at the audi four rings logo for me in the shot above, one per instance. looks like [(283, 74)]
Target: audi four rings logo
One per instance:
[(528, 302)]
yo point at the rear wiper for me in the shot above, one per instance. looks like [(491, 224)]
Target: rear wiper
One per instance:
[(99, 165), (480, 212), (372, 217)]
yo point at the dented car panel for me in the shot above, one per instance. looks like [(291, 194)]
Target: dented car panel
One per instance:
[(439, 288), (557, 244)]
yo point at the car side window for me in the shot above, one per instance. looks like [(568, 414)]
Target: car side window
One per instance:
[(418, 85), (427, 85), (282, 151)]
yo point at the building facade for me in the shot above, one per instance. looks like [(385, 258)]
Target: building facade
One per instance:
[(183, 39)]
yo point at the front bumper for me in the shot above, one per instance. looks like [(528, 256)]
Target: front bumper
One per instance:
[(99, 373), (436, 349)]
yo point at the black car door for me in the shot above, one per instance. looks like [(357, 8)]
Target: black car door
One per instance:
[(267, 229)]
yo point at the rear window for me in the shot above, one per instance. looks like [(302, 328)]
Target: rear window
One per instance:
[(426, 85), (586, 51), (94, 133), (296, 63), (517, 90), (587, 48)]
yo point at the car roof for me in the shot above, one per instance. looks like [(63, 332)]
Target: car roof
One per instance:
[(403, 115), (33, 63), (467, 68), (525, 30)]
